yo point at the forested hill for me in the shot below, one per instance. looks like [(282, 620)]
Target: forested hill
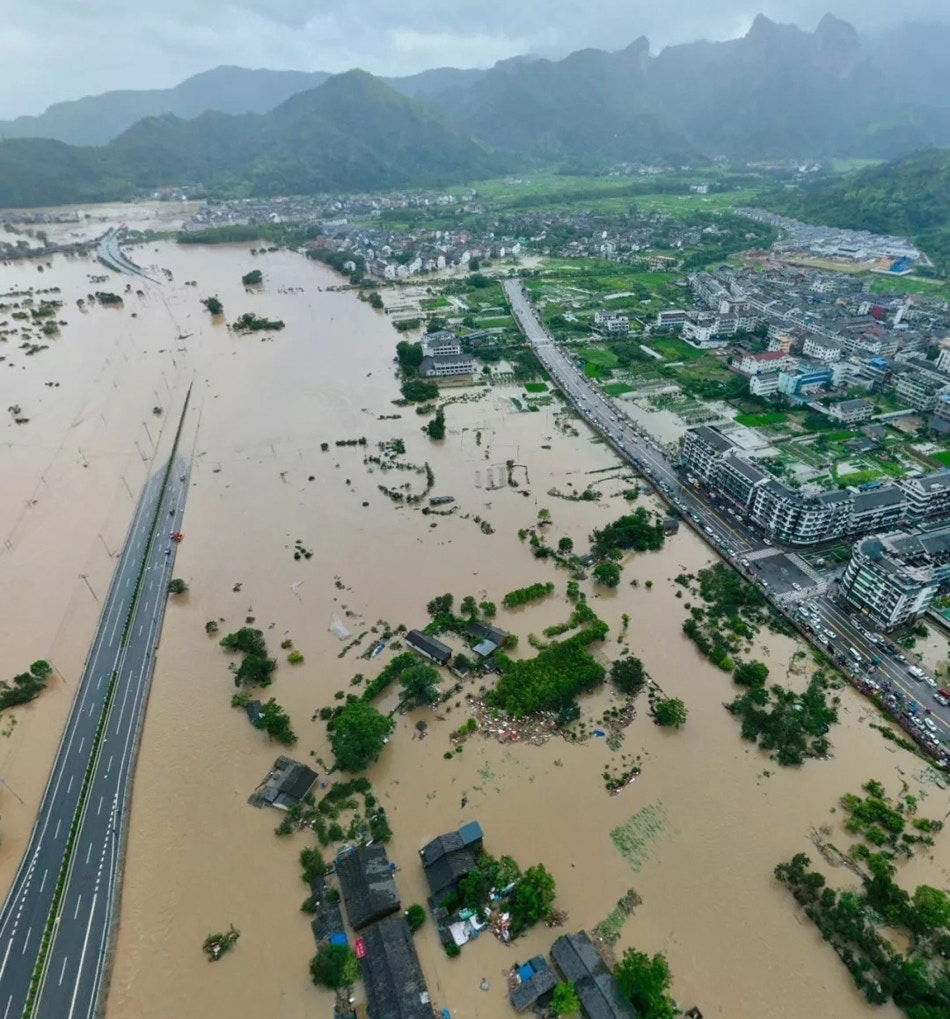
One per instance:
[(352, 133), (909, 197)]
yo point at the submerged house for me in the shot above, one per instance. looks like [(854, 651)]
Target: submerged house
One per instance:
[(428, 647), (286, 784), (580, 963), (536, 987), (367, 885), (448, 858), (489, 638), (392, 976), (327, 915)]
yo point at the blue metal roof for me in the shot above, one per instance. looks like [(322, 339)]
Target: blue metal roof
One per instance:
[(471, 832)]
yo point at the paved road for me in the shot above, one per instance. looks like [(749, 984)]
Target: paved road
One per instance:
[(73, 974), (111, 255), (727, 533)]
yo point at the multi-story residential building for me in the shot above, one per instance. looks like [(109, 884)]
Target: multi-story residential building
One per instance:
[(441, 344), (792, 517), (821, 348), (940, 422), (851, 411), (795, 517), (737, 478), (768, 361), (894, 577), (943, 359), (447, 366), (927, 495), (702, 448), (671, 319), (919, 391), (796, 383), (764, 384), (709, 290), (610, 322), (878, 509)]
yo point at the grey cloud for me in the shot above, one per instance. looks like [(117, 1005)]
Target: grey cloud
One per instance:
[(58, 49)]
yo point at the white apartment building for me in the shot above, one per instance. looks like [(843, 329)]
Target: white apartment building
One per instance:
[(610, 322), (851, 411), (895, 577), (821, 348), (764, 384)]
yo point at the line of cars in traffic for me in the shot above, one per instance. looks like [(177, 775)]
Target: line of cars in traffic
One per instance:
[(914, 718)]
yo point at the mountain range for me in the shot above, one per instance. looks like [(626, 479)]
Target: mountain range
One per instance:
[(776, 93)]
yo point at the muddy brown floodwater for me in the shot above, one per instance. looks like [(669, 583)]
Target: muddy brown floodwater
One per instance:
[(199, 857)]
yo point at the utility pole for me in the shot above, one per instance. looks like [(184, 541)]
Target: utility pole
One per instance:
[(109, 553), (85, 579), (129, 490), (7, 785)]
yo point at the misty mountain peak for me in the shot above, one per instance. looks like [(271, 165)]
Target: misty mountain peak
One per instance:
[(837, 46)]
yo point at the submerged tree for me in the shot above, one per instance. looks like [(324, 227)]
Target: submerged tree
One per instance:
[(215, 945), (334, 966), (359, 734), (670, 712), (420, 685)]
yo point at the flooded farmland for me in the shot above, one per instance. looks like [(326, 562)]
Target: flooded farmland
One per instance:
[(720, 814)]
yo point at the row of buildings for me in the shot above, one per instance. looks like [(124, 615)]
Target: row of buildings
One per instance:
[(893, 575), (797, 518)]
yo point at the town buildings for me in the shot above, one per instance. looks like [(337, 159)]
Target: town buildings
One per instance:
[(446, 366), (767, 361), (443, 343), (893, 578), (611, 323), (804, 518), (851, 412)]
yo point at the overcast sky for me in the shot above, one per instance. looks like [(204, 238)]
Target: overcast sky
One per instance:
[(63, 49)]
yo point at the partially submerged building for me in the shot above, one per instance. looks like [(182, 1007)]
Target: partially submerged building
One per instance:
[(579, 962), (536, 986), (489, 638), (327, 919), (428, 647), (448, 858), (367, 885), (286, 785), (395, 986)]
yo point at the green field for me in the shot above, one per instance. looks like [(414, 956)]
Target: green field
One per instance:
[(548, 191), (535, 387), (677, 350), (858, 478), (942, 458), (938, 289), (775, 417), (600, 357), (617, 388)]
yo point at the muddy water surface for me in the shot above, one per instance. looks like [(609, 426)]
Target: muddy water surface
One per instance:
[(198, 856)]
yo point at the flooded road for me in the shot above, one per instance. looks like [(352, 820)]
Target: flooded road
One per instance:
[(199, 857)]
